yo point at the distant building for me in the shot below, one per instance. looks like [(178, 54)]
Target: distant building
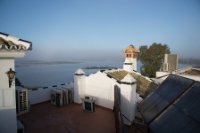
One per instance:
[(10, 48), (189, 72), (170, 62), (170, 66), (101, 85)]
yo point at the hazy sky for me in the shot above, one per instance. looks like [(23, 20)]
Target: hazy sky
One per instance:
[(101, 29)]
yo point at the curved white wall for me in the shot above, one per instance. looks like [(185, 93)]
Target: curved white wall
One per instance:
[(79, 87), (100, 86)]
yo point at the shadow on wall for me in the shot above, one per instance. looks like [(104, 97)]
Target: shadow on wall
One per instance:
[(8, 121), (122, 110), (127, 109), (119, 125)]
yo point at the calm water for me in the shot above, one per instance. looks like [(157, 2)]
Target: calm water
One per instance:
[(36, 74), (40, 75)]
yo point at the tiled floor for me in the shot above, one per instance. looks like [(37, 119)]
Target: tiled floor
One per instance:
[(46, 118)]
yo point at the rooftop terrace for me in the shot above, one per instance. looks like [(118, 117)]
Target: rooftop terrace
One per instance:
[(71, 118)]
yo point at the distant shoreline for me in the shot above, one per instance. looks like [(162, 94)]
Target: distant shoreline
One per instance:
[(38, 62), (101, 67), (195, 62)]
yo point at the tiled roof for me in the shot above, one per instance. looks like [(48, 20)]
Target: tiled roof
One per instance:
[(144, 85), (8, 43), (131, 48)]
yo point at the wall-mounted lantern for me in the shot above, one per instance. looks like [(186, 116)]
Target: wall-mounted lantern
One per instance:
[(11, 76)]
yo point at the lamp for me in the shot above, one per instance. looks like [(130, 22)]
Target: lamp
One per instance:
[(11, 75)]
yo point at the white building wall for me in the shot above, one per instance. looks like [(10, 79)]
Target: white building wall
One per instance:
[(166, 58), (79, 87), (5, 65), (101, 87), (39, 95), (8, 121), (130, 67), (135, 64), (128, 102)]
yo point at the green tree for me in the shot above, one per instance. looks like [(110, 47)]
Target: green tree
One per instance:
[(152, 57)]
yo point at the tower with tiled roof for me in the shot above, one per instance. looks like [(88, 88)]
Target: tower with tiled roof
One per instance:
[(131, 54)]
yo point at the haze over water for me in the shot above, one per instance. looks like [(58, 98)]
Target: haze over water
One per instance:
[(42, 74)]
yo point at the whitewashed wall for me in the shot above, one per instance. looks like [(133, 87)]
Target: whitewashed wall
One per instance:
[(5, 65), (8, 121), (39, 95), (128, 102), (43, 94), (128, 67), (79, 87), (101, 87)]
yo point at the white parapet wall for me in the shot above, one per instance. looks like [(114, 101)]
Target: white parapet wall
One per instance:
[(97, 85), (39, 95), (101, 87)]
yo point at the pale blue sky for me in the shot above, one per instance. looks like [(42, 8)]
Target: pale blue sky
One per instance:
[(101, 29)]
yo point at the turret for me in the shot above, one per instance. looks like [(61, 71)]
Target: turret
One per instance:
[(128, 98), (131, 54), (79, 85)]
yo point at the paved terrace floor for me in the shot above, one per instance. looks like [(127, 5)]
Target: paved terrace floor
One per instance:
[(46, 118)]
